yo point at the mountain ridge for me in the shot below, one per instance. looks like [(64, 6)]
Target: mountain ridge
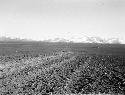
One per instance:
[(87, 40), (84, 39), (10, 39)]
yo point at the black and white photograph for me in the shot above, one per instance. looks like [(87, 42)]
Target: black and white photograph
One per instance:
[(62, 47)]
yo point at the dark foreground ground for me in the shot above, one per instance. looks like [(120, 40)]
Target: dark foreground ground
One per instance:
[(39, 68)]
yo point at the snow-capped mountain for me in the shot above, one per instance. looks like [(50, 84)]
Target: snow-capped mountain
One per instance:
[(75, 39), (86, 39), (101, 40), (57, 40), (95, 40), (114, 40)]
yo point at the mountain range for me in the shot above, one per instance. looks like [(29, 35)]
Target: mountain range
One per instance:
[(9, 39), (84, 39), (87, 40)]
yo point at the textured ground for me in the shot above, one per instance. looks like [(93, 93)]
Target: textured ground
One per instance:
[(64, 72)]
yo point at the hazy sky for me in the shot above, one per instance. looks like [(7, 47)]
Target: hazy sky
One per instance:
[(41, 19)]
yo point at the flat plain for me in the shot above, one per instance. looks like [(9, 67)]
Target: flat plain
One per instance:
[(43, 68)]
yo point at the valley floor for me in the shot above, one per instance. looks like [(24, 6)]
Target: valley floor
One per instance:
[(65, 73)]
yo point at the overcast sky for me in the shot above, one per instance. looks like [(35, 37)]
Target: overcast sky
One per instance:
[(42, 19)]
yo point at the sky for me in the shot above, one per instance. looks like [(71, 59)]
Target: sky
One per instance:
[(44, 19)]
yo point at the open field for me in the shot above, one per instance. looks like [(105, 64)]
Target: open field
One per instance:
[(40, 68)]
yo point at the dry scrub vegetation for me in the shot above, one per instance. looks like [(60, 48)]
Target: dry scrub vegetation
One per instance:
[(64, 73)]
